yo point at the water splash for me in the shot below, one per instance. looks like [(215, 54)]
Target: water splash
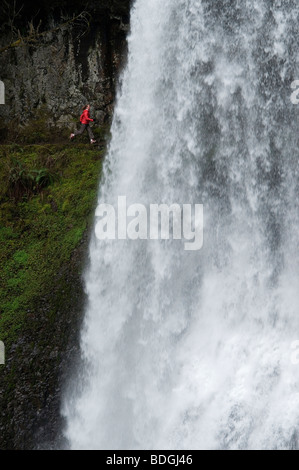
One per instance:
[(193, 350)]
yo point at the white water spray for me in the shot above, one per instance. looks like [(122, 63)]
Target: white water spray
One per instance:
[(192, 350)]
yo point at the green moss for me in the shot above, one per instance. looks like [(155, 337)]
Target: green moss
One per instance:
[(21, 257), (37, 130), (38, 234)]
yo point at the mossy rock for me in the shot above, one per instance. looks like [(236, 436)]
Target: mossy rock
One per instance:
[(44, 239)]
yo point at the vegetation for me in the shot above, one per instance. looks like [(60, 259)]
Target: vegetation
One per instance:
[(46, 203)]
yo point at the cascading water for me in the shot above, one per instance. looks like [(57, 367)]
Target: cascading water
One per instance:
[(192, 350)]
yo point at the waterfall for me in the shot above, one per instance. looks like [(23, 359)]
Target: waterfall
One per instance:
[(193, 350)]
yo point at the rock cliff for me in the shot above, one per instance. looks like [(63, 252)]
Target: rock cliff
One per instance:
[(53, 61), (56, 60)]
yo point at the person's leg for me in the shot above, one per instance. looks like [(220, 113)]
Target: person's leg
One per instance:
[(90, 133), (81, 130)]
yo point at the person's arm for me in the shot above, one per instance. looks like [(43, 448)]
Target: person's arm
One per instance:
[(86, 112)]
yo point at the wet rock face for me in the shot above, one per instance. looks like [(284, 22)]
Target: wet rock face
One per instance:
[(67, 68), (64, 70), (38, 365)]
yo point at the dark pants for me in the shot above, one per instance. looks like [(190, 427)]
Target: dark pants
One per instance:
[(83, 128)]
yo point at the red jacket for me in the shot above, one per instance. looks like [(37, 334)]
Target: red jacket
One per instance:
[(85, 118)]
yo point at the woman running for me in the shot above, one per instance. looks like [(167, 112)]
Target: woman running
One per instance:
[(85, 119)]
